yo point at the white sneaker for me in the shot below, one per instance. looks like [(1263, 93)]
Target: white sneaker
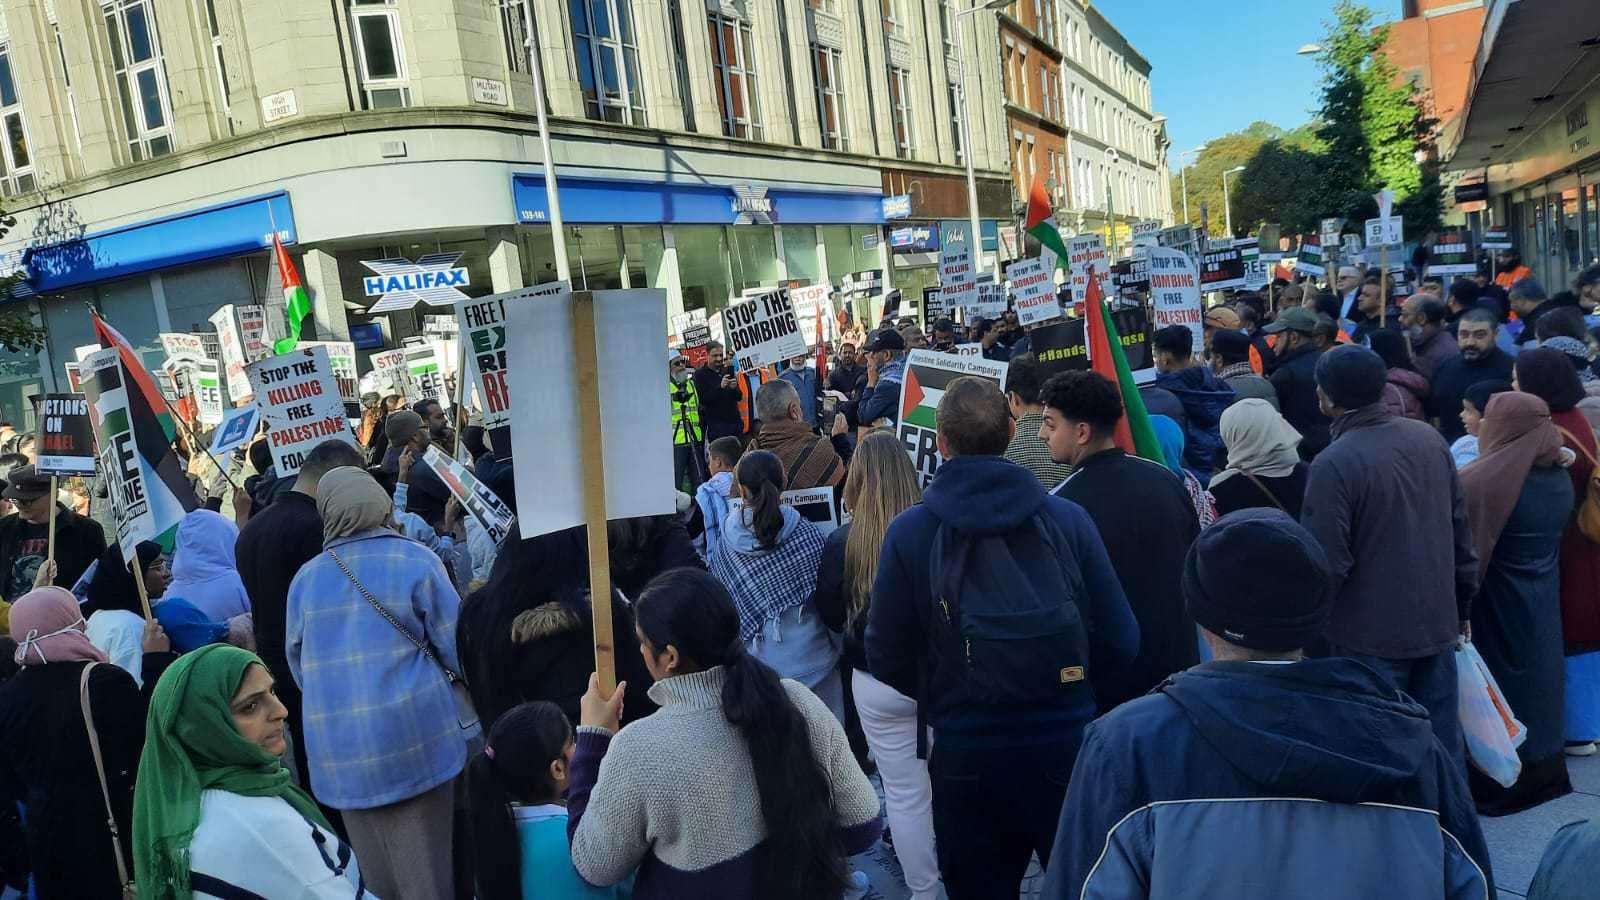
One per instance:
[(1585, 748)]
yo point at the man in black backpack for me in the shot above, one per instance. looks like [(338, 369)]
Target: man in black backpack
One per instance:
[(994, 607)]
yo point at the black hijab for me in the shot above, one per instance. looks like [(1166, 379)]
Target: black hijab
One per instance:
[(1549, 375), (112, 586)]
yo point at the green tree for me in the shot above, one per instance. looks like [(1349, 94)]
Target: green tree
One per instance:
[(18, 333)]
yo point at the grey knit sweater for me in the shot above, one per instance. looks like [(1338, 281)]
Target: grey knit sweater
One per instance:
[(673, 796)]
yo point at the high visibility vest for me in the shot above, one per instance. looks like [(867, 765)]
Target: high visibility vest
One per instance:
[(1507, 279), (686, 415), (750, 381)]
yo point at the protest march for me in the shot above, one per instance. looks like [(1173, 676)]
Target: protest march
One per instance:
[(465, 457)]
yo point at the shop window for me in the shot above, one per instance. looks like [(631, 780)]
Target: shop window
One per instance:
[(956, 112), (900, 107), (607, 61), (733, 64), (21, 377), (703, 266), (514, 32), (140, 72), (195, 293), (645, 250), (380, 53), (217, 62), (827, 65), (755, 257), (17, 175), (800, 254), (680, 64)]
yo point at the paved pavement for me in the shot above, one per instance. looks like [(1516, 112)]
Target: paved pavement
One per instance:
[(1515, 842)]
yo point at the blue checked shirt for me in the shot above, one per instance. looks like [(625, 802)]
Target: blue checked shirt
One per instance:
[(380, 718)]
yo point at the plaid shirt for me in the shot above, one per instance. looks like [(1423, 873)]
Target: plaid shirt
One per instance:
[(380, 718), (1029, 451)]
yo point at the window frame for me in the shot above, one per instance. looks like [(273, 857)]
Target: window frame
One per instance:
[(831, 58), (513, 31), (900, 106), (15, 179), (957, 110), (389, 11), (724, 72), (143, 139), (622, 41)]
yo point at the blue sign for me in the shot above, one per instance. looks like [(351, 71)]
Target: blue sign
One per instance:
[(915, 238), (897, 207), (238, 426), (617, 201)]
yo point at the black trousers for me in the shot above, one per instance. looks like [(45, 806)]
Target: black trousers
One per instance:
[(688, 466)]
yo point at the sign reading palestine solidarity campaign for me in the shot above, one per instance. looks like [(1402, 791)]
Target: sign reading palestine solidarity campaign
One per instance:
[(301, 406), (475, 497), (1175, 293), (65, 445), (483, 327), (763, 330), (150, 493), (927, 374)]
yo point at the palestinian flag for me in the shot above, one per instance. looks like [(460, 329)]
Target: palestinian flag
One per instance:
[(921, 392), (297, 303), (139, 376), (1135, 434), (1041, 223)]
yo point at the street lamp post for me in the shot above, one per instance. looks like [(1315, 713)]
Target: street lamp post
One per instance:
[(1183, 173), (976, 247), (1227, 200), (558, 237)]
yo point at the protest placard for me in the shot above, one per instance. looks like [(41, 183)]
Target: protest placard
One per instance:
[(1270, 240), (1221, 268), (233, 355), (1255, 268), (991, 302), (483, 327), (74, 380), (183, 347), (1132, 276), (763, 330), (1179, 237), (425, 372), (958, 278), (927, 374), (238, 425), (682, 322), (1034, 290), (1175, 293), (390, 369), (1329, 231), (1084, 251), (1452, 253), (253, 332), (473, 495), (932, 306), (813, 306), (208, 392), (1311, 261), (1497, 239), (1147, 233), (300, 404), (177, 384), (342, 358), (820, 506), (1063, 346), (65, 443), (1391, 234)]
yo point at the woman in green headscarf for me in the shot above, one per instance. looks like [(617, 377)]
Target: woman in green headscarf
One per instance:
[(215, 812)]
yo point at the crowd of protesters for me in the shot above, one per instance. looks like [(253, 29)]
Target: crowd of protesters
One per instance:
[(1230, 662)]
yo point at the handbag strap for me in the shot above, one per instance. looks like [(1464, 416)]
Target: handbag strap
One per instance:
[(1581, 449), (1263, 488), (426, 650), (100, 770)]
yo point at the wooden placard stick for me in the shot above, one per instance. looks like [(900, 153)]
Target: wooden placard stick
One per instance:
[(1383, 283), (138, 579), (50, 541), (591, 446)]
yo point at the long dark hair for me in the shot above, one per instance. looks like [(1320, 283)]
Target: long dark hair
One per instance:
[(514, 767), (801, 857), (760, 475)]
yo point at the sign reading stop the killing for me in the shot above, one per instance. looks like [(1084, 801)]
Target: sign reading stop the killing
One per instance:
[(483, 328), (65, 445), (300, 404)]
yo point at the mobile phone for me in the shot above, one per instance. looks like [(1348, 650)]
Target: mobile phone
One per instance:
[(830, 407)]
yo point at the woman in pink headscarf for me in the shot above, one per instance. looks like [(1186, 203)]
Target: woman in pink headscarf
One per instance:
[(46, 765)]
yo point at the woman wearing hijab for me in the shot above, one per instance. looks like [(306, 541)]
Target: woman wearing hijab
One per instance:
[(116, 623), (47, 768), (1518, 503), (1264, 466), (1550, 376), (371, 640), (1169, 434), (204, 569), (215, 812)]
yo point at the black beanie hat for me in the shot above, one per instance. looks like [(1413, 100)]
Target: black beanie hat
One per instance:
[(1258, 579), (1352, 376)]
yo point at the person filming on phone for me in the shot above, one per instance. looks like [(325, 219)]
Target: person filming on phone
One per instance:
[(718, 390)]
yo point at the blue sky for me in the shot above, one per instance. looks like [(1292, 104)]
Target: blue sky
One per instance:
[(1221, 64)]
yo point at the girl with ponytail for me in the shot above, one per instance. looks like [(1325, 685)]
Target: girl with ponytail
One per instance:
[(767, 558), (744, 786), (516, 788)]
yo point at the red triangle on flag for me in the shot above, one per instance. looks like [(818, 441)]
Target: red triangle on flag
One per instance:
[(913, 393), (1038, 204)]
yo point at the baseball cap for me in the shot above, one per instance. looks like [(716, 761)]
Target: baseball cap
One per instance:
[(25, 483), (1296, 318), (884, 339), (1222, 317)]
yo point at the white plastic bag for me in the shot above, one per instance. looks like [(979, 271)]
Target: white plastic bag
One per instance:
[(1492, 730)]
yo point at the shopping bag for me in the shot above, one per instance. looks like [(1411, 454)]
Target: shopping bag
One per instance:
[(1492, 730)]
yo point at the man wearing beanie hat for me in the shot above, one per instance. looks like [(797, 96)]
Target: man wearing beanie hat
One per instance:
[(1296, 777), (423, 494), (1384, 501)]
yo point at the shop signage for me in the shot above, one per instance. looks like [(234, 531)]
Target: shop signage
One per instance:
[(751, 205), (1496, 239), (277, 106), (434, 279), (871, 240), (897, 207), (915, 238), (487, 90)]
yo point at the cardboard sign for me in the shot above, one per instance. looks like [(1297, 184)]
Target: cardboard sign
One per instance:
[(300, 403), (1330, 231), (238, 426), (682, 322), (927, 374), (1034, 290), (483, 327), (183, 347), (342, 357), (1132, 276), (177, 385), (253, 332), (1255, 268), (74, 379), (233, 355), (813, 305), (1391, 234), (1147, 233), (695, 339), (635, 409), (958, 278), (932, 306), (474, 496), (1452, 253), (425, 371), (992, 303), (65, 443), (1221, 269), (1083, 252), (822, 506), (1175, 293), (1063, 346), (1497, 239), (1311, 261), (1270, 240), (208, 402), (764, 330), (390, 367), (1178, 237)]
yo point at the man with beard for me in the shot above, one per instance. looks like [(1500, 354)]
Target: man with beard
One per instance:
[(1480, 360)]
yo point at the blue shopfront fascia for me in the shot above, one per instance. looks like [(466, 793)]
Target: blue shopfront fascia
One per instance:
[(226, 229), (613, 201)]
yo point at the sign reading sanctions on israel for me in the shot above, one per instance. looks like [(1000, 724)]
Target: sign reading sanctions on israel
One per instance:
[(927, 375), (300, 404)]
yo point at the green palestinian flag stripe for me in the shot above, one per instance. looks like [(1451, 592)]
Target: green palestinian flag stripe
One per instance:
[(116, 421)]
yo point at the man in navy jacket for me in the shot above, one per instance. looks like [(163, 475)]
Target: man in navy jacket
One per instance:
[(998, 769), (1264, 774)]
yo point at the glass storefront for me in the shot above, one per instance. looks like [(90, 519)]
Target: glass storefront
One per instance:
[(800, 253), (703, 266), (21, 378), (846, 248)]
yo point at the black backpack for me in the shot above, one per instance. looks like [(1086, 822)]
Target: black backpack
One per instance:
[(995, 637)]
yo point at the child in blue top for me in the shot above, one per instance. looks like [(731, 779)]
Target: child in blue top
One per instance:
[(517, 787)]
